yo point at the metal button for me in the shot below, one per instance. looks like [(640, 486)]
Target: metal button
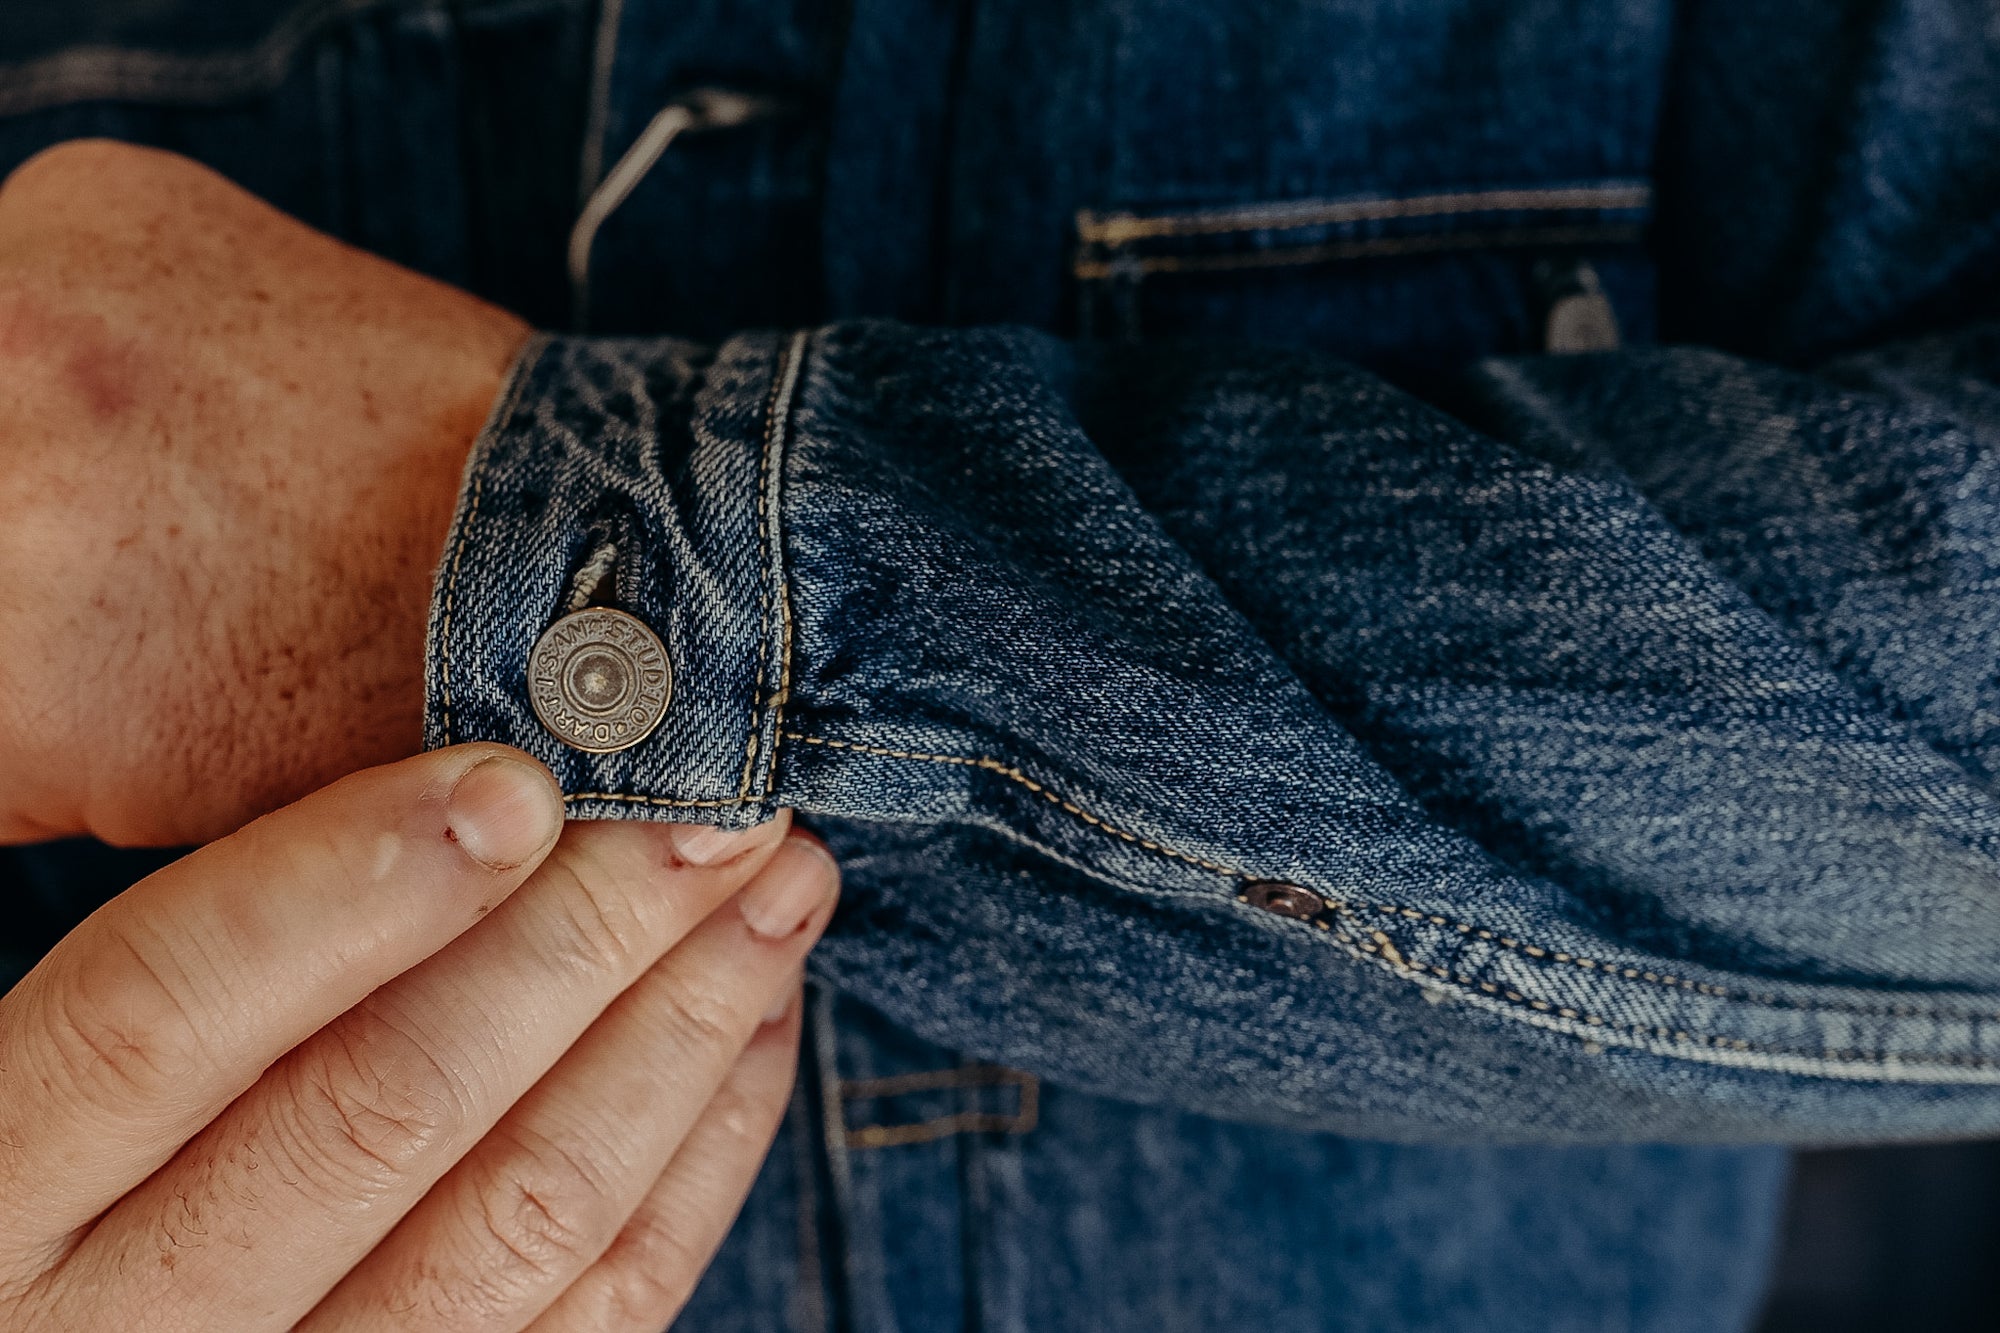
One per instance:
[(599, 680), (1284, 899)]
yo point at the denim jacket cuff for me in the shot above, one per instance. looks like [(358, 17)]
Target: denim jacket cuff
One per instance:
[(644, 467)]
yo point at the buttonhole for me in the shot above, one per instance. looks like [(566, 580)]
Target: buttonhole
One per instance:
[(595, 582)]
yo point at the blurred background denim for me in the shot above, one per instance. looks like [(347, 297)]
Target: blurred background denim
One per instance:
[(1822, 176)]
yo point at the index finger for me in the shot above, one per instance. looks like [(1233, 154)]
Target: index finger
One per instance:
[(163, 1007)]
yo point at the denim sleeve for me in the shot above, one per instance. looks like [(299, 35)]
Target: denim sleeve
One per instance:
[(1602, 752)]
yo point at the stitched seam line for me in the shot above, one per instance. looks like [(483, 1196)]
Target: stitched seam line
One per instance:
[(1345, 910), (1027, 1109), (931, 1080), (451, 592), (1122, 228), (1013, 774), (482, 450), (777, 405), (763, 590), (1546, 956), (667, 801), (1380, 946), (962, 1122), (1092, 268), (782, 433), (784, 694), (1549, 958), (91, 73)]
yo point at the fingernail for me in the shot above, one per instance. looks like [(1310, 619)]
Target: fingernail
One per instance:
[(502, 812), (705, 845), (801, 875)]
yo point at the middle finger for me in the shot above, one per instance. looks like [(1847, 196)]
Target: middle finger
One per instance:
[(312, 1166), (539, 1200)]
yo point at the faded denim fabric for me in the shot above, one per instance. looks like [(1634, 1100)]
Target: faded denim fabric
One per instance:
[(1633, 814), (1628, 712), (1098, 1215)]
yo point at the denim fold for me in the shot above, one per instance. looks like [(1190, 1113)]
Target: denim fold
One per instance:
[(1627, 754), (657, 456)]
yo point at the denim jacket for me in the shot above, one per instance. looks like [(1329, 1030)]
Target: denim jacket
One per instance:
[(1418, 569)]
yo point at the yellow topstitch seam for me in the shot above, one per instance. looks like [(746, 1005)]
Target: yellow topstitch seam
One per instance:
[(794, 368), (779, 374), (451, 593), (667, 801), (934, 1080), (1124, 228), (1027, 1107), (1088, 267), (483, 448), (1381, 945), (1013, 774), (784, 376), (927, 1131)]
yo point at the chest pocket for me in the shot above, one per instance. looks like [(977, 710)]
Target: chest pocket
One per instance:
[(96, 67), (1408, 183), (343, 113), (1400, 283)]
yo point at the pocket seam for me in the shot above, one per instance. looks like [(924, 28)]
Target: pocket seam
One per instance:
[(93, 73), (893, 1134), (1122, 228), (1109, 244), (1087, 268)]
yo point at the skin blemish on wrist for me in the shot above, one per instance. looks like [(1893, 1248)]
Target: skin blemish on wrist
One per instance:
[(101, 370), (103, 375)]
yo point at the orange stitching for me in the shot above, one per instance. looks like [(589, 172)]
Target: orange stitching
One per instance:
[(1672, 982), (763, 592), (1387, 949), (451, 591), (962, 1122), (530, 353), (90, 73), (795, 361), (1419, 968), (1587, 964), (658, 800), (1345, 909), (1088, 269), (1016, 775), (929, 1080), (783, 378), (1123, 228), (784, 694), (1027, 1111)]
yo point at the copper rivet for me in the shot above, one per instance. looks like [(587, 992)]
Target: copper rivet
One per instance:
[(1285, 899), (599, 680)]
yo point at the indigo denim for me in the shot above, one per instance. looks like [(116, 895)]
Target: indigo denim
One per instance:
[(1634, 814), (1627, 713)]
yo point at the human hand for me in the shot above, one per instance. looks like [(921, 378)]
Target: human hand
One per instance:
[(232, 446), (384, 1060)]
